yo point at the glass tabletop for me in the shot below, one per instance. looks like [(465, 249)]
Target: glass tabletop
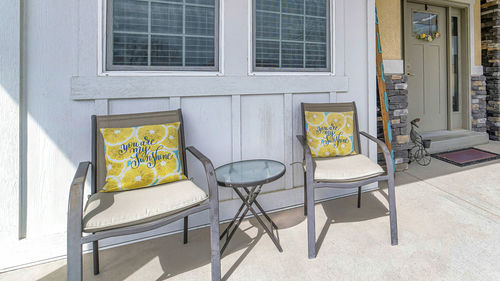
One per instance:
[(249, 173)]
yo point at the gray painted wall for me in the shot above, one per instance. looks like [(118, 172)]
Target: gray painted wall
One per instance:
[(231, 116)]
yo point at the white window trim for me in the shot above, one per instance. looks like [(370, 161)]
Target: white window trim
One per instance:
[(251, 71), (101, 50)]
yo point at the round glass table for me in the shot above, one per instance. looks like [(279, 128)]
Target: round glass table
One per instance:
[(246, 178)]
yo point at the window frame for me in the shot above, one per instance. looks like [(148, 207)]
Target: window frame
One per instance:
[(329, 50), (108, 58)]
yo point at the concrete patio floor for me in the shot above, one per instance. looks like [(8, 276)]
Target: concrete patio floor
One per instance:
[(449, 229)]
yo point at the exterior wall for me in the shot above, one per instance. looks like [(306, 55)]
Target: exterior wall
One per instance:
[(390, 20), (490, 16), (10, 98), (229, 116), (390, 23), (477, 33)]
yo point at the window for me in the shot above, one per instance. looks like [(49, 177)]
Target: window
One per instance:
[(424, 22), (291, 35), (162, 35)]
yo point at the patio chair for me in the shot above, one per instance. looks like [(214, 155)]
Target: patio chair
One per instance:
[(349, 171), (144, 208)]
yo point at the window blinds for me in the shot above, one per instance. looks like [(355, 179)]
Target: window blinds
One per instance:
[(291, 34), (168, 33)]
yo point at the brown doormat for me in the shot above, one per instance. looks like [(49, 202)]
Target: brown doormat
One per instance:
[(466, 156)]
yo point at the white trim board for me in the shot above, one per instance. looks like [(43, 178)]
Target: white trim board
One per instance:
[(394, 66), (88, 88), (476, 70)]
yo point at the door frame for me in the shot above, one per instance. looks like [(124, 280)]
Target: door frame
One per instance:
[(465, 50)]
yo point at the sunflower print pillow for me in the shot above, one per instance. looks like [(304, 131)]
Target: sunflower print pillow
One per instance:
[(141, 156), (330, 134)]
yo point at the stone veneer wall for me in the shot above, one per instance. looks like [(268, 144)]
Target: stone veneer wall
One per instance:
[(478, 103), (397, 91), (490, 45)]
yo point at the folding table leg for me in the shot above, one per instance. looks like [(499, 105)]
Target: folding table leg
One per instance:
[(235, 227), (262, 210), (271, 235)]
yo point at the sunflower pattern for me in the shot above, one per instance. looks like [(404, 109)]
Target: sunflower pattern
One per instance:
[(330, 133), (141, 156)]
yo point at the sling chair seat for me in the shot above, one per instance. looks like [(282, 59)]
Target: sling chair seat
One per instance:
[(108, 210), (345, 169)]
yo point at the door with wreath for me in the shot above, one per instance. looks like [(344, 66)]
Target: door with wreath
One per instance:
[(426, 65)]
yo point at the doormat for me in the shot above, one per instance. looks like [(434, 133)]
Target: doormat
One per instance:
[(466, 156)]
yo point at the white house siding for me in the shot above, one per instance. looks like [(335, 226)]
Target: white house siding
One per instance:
[(229, 117)]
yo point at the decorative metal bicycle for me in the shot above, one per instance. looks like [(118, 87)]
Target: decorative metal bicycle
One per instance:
[(418, 152)]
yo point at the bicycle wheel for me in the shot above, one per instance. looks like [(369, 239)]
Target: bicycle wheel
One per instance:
[(413, 153), (423, 157)]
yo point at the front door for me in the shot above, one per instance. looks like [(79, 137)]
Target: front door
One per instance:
[(426, 65)]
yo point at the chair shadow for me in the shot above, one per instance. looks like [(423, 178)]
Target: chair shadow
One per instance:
[(283, 220), (237, 241), (345, 210), (174, 257)]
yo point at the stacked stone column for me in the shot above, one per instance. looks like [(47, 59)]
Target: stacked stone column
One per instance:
[(490, 35), (397, 91), (478, 103)]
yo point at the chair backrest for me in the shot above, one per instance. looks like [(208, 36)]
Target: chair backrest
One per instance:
[(334, 107), (126, 121)]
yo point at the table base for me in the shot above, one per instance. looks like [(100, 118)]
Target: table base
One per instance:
[(248, 201)]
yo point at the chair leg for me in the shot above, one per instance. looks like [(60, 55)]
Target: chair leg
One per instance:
[(305, 195), (185, 230), (311, 225), (95, 255), (215, 243), (392, 212), (74, 260), (359, 197)]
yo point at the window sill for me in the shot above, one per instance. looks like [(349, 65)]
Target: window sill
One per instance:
[(116, 73), (289, 73)]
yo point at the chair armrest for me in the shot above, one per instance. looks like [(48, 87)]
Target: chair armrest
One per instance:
[(209, 170), (387, 153), (307, 153), (75, 202)]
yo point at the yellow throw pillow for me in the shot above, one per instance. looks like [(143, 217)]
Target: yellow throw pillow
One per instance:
[(330, 133), (141, 156)]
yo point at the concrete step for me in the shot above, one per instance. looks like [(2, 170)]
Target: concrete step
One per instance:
[(452, 140)]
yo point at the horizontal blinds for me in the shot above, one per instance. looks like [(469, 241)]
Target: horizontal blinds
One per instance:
[(168, 33), (291, 34)]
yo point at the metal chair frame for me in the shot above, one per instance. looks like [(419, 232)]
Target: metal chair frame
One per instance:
[(75, 239), (310, 183)]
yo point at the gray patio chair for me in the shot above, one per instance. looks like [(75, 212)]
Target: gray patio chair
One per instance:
[(99, 221), (343, 171)]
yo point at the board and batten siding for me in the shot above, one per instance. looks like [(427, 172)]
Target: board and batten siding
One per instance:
[(229, 116)]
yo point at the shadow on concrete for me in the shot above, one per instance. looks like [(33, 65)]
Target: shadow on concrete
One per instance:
[(345, 210), (174, 257)]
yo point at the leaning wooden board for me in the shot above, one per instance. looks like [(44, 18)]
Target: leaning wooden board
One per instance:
[(384, 101)]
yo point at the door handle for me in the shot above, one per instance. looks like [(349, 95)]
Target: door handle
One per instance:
[(410, 74)]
